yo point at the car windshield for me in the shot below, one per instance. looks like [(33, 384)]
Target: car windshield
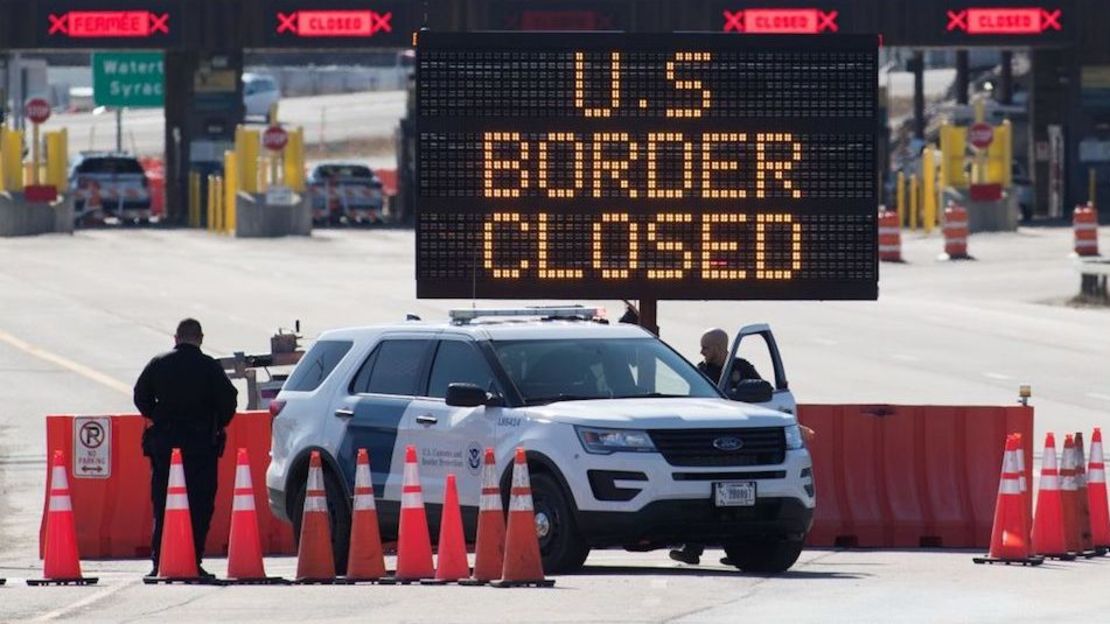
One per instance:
[(358, 172), (545, 371), (109, 165)]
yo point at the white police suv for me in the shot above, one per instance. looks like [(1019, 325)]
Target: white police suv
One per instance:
[(627, 443)]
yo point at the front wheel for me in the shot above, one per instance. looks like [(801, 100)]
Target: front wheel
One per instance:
[(769, 555), (561, 547)]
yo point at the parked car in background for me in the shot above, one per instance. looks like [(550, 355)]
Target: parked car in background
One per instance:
[(259, 93), (345, 193), (107, 186)]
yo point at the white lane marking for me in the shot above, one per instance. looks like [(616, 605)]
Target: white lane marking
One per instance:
[(66, 363), (84, 602), (1099, 395), (998, 376)]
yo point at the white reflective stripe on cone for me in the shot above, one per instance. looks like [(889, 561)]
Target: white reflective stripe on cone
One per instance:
[(177, 476), (489, 502), (411, 500), (520, 477), (243, 502), (1086, 243), (1085, 226), (364, 502), (58, 480), (60, 503), (242, 477), (412, 476), (889, 248), (1010, 486), (889, 230), (520, 503), (315, 479), (1068, 484), (1096, 475), (315, 503), (177, 502), (362, 475), (1051, 482), (955, 241)]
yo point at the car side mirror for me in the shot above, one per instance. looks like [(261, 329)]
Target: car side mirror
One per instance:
[(751, 391), (466, 395)]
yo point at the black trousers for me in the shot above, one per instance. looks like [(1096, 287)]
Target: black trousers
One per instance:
[(200, 462)]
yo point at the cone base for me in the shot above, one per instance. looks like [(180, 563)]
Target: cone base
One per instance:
[(539, 583), (1035, 560), (946, 257), (473, 582), (264, 580), (83, 580), (1091, 554), (184, 580), (393, 580), (316, 581), (2, 581), (1059, 556), (357, 581), (435, 582)]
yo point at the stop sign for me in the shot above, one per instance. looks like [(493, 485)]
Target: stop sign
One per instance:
[(980, 135), (275, 138), (37, 110)]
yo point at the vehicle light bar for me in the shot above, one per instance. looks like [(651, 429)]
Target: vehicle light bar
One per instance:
[(462, 316)]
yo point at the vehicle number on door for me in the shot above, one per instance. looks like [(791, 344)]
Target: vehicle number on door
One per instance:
[(734, 493)]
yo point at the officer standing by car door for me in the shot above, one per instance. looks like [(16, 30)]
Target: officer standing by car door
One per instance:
[(189, 401)]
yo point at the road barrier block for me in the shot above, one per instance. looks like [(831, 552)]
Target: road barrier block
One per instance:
[(114, 514), (906, 476)]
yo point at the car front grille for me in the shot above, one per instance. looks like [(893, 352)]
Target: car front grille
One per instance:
[(695, 447)]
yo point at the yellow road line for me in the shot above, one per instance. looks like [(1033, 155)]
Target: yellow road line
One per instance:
[(66, 363)]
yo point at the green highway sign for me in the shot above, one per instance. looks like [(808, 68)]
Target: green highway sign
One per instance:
[(128, 79)]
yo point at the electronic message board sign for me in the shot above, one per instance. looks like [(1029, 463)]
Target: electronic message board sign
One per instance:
[(665, 166), (339, 23), (109, 23)]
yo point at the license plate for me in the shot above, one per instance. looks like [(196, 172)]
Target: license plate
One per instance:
[(734, 493)]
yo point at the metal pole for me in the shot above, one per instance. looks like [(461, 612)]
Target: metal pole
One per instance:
[(963, 76), (919, 94), (119, 129), (649, 315), (1006, 85)]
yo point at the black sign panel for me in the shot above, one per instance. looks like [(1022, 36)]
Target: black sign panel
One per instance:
[(679, 166), (339, 23), (109, 23)]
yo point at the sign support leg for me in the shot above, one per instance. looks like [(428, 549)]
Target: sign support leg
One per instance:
[(649, 315)]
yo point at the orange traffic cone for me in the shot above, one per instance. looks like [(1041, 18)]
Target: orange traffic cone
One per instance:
[(365, 561), (489, 549), (1068, 492), (451, 563), (1009, 543), (1086, 540), (414, 545), (177, 558), (1096, 494), (244, 551), (523, 565), (61, 564), (1049, 538), (315, 562), (1023, 486)]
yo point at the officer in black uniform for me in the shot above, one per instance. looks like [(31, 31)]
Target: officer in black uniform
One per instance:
[(189, 401), (714, 348)]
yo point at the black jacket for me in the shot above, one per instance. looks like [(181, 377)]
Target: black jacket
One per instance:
[(741, 371), (186, 391)]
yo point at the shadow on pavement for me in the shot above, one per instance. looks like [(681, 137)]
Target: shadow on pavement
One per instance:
[(618, 570)]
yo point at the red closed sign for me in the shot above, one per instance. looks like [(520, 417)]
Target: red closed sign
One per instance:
[(275, 138), (37, 110), (980, 135)]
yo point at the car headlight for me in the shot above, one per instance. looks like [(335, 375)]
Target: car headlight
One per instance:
[(606, 441), (794, 439)]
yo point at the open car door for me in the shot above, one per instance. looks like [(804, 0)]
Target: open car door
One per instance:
[(770, 388)]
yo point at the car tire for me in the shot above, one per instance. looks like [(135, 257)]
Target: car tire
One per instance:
[(339, 516), (561, 546), (766, 555)]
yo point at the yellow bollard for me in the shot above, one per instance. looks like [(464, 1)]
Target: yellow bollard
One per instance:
[(294, 161), (915, 201), (900, 199), (247, 165), (210, 206), (928, 188), (230, 192), (194, 199), (13, 160)]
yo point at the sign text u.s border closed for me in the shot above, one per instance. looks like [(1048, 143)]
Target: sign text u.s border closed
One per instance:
[(128, 79), (678, 166)]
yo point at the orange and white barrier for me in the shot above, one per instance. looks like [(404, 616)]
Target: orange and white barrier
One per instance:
[(890, 237), (1049, 538), (414, 544), (1084, 223), (1009, 537), (489, 547), (315, 562), (1096, 493), (955, 232), (177, 561), (523, 565), (244, 559)]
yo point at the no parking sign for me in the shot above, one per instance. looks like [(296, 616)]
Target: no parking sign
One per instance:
[(92, 447)]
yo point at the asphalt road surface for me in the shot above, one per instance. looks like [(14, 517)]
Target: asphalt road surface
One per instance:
[(81, 314), (324, 118)]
